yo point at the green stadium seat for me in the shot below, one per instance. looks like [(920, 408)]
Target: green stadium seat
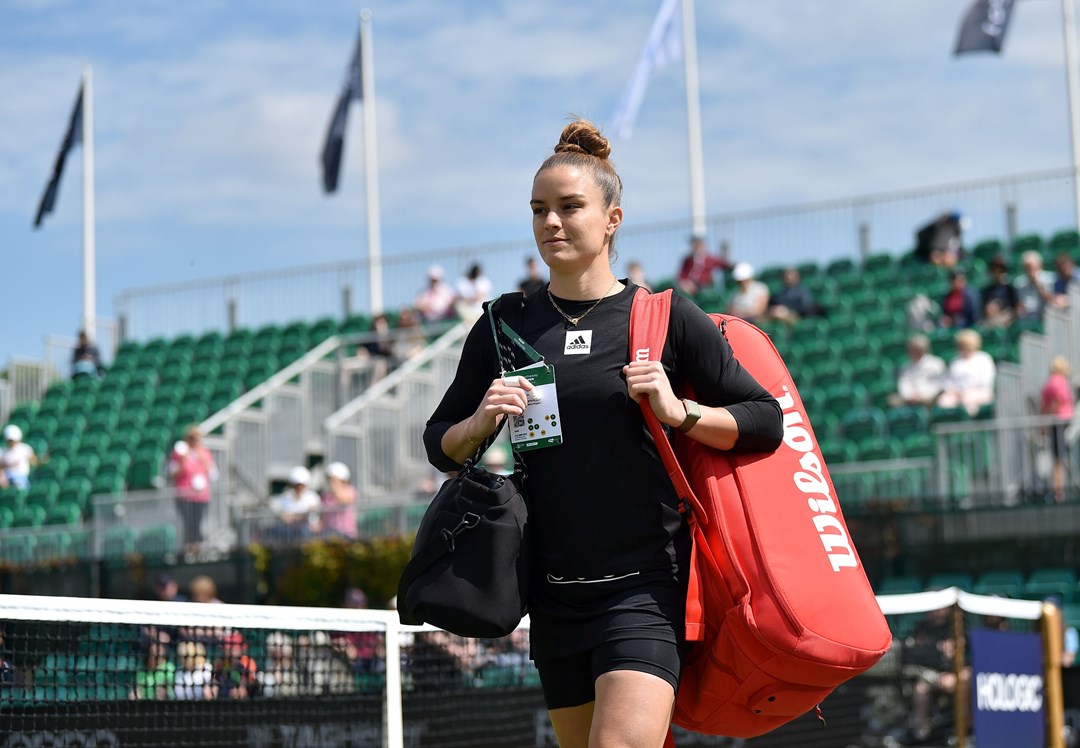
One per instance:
[(322, 329), (44, 427), (906, 420), (12, 497), (30, 515), (156, 541), (841, 397), (941, 414), (918, 446), (133, 417), (1005, 582), (899, 585), (6, 516), (96, 441), (943, 580), (204, 371), (1059, 581), (51, 547), (987, 248), (1065, 239), (1026, 242), (52, 470), (863, 424), (65, 513), (110, 482), (83, 466), (838, 451), (43, 493), (880, 448), (145, 471), (118, 543)]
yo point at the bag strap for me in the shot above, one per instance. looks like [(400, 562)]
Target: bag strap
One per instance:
[(649, 317)]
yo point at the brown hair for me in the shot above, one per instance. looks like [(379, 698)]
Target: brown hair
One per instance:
[(582, 146)]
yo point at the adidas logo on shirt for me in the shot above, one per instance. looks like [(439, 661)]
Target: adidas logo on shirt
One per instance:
[(578, 342)]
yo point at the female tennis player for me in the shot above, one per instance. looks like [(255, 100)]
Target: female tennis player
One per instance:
[(609, 583)]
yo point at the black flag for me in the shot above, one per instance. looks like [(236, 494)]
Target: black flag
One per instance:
[(72, 137), (335, 136), (983, 27)]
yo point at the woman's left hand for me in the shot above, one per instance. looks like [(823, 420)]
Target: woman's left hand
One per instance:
[(647, 379)]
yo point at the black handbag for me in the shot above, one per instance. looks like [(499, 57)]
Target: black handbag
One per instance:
[(470, 566)]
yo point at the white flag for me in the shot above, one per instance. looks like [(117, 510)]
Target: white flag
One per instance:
[(664, 46)]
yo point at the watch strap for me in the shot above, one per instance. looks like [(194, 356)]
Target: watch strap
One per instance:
[(693, 415)]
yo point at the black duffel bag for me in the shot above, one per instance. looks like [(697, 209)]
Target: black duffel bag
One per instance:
[(469, 570)]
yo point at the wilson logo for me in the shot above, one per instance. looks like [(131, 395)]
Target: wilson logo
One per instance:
[(641, 354), (810, 480)]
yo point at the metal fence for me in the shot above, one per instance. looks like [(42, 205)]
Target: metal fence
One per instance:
[(1001, 208)]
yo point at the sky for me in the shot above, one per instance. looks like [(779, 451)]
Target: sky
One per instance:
[(209, 120)]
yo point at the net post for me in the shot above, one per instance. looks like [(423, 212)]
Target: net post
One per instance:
[(959, 655), (395, 732), (1052, 691)]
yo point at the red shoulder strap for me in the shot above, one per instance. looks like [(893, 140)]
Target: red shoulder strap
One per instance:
[(649, 317)]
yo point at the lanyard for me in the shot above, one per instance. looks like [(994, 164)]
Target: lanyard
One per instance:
[(513, 336)]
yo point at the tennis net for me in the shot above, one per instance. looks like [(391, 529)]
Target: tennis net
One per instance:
[(131, 674)]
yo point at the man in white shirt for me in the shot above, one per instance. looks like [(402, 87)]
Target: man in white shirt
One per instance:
[(1034, 288), (16, 459), (296, 503), (922, 377)]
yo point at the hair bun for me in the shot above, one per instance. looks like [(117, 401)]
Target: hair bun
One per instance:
[(582, 136)]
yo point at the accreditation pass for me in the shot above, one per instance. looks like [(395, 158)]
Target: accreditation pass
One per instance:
[(540, 425)]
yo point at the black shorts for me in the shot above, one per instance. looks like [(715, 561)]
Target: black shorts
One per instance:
[(571, 681)]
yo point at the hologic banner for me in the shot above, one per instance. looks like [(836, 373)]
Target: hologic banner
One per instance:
[(1007, 689)]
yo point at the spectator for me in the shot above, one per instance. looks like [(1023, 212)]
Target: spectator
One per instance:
[(751, 296), (85, 359), (298, 504), (1067, 276), (155, 679), (380, 349), (696, 271), (533, 280), (191, 468), (969, 381), (998, 297), (165, 590), (320, 669), (792, 302), (339, 502), (1056, 399), (409, 339), (279, 678), (940, 241), (960, 305), (435, 302), (636, 273), (928, 659), (7, 668), (1034, 289), (235, 673), (922, 378), (203, 590), (364, 650), (16, 459), (473, 289), (194, 676)]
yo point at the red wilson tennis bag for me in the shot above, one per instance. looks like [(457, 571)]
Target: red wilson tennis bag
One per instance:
[(779, 610)]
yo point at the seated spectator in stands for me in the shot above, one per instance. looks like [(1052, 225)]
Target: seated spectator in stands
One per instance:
[(297, 506), (409, 339), (339, 502), (194, 675), (435, 302), (940, 241), (927, 658), (16, 459), (969, 381), (8, 676), (751, 296), (792, 302), (165, 589), (155, 680), (697, 268), (998, 297), (365, 651), (191, 469), (635, 272), (438, 660), (235, 672), (278, 677), (533, 280), (921, 313), (473, 289), (203, 590), (960, 304), (321, 669), (923, 376), (85, 359), (1066, 276), (1057, 399), (1035, 288), (380, 347)]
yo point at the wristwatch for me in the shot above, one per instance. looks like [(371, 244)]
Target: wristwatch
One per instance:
[(693, 415)]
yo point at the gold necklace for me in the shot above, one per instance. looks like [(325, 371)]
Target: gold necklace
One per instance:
[(575, 320)]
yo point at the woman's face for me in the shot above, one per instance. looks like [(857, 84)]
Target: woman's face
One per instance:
[(571, 224)]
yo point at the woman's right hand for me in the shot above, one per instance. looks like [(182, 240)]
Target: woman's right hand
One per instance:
[(505, 396)]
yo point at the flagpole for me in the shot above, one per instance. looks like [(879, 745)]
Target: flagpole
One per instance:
[(89, 275), (1068, 25), (371, 169), (693, 120)]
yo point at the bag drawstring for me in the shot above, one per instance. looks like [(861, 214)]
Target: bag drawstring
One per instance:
[(469, 520)]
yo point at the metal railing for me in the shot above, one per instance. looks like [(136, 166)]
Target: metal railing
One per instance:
[(1000, 207)]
